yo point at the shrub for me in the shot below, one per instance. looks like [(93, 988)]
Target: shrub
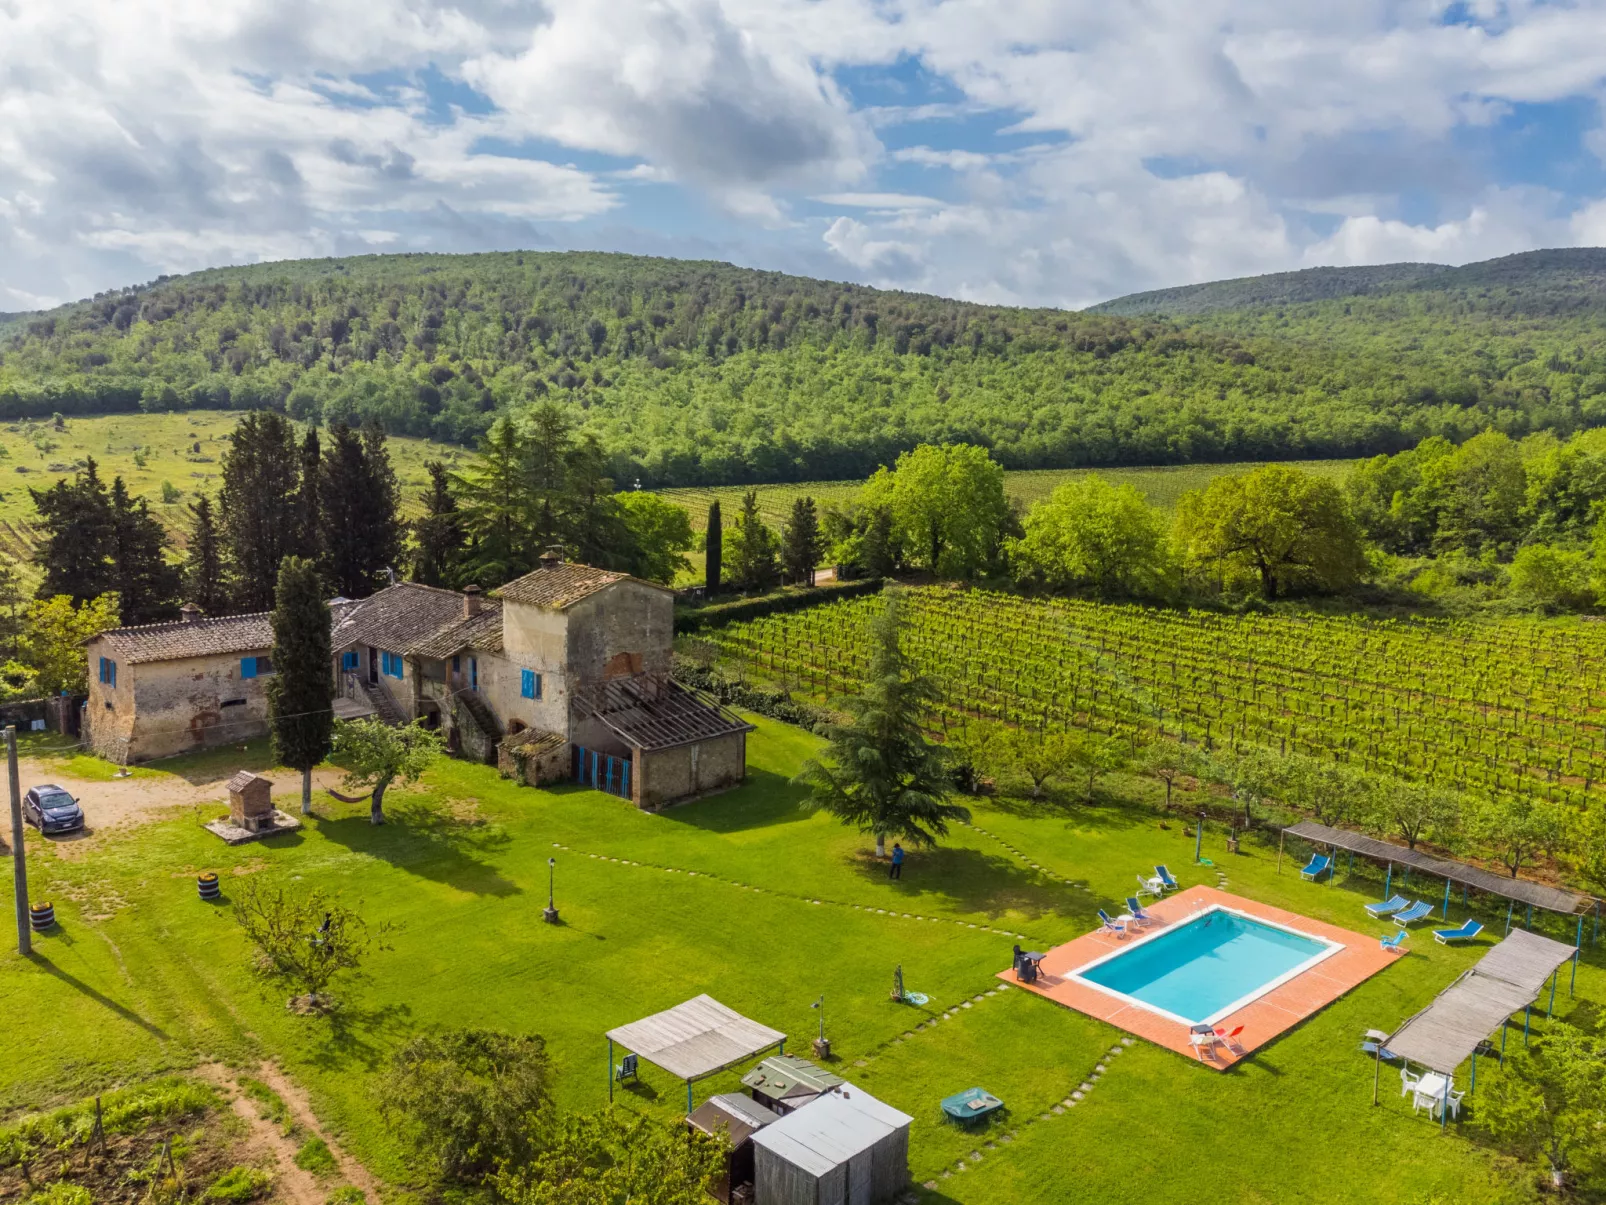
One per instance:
[(315, 1157), (123, 1111), (239, 1184), (346, 1194), (61, 1193)]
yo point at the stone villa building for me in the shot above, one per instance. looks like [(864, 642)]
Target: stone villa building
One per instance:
[(561, 674)]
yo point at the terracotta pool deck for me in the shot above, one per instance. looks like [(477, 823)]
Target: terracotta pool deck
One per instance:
[(1263, 1019)]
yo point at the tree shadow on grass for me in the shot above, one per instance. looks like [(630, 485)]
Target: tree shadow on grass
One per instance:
[(428, 840), (766, 798), (976, 881), (360, 1035), (72, 981)]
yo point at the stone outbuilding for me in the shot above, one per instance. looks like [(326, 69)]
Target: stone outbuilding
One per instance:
[(250, 801)]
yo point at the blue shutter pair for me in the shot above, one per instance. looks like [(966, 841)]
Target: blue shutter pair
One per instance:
[(248, 667), (529, 684), (390, 664), (108, 672), (348, 660)]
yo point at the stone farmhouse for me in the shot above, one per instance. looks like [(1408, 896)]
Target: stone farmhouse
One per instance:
[(563, 674)]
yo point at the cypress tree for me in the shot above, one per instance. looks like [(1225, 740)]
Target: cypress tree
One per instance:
[(203, 568), (800, 550), (146, 583), (713, 550), (76, 552), (301, 691), (11, 600), (257, 505), (438, 535)]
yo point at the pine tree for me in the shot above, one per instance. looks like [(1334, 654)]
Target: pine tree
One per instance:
[(879, 560), (801, 548), (12, 598), (491, 498), (713, 550), (754, 565), (548, 451), (257, 510), (362, 534), (301, 691), (438, 536), (76, 552), (309, 499), (146, 584), (880, 772), (203, 569), (592, 528)]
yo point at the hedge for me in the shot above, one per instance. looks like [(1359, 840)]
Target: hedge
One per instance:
[(715, 615)]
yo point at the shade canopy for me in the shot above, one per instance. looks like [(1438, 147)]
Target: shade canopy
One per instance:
[(696, 1038), (1506, 980), (1552, 899)]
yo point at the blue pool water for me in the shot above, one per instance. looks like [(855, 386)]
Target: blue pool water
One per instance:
[(1200, 967)]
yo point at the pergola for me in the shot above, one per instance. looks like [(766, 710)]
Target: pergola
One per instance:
[(1517, 891), (1461, 1017), (694, 1040)]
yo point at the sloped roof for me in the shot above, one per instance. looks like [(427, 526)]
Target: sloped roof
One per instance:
[(738, 1114), (558, 586), (401, 618), (183, 638), (696, 1038), (828, 1133), (482, 631), (647, 711)]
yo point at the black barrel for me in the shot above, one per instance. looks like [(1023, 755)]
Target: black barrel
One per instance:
[(208, 886), (41, 916)]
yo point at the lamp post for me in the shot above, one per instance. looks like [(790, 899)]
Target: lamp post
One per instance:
[(822, 1045), (550, 913)]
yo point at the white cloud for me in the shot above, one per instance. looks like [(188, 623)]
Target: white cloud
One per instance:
[(879, 200)]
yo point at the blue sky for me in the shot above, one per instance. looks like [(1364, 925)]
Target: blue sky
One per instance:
[(1052, 152)]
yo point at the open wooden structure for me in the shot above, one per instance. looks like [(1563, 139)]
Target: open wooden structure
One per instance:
[(693, 1041)]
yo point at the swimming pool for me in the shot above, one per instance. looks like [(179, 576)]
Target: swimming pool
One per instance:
[(1206, 967)]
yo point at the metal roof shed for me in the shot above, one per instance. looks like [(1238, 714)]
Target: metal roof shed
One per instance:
[(738, 1118), (693, 1040), (846, 1148)]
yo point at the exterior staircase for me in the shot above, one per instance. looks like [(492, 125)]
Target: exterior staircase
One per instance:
[(477, 728), (384, 706)]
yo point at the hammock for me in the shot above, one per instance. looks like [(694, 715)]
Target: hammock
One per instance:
[(348, 798)]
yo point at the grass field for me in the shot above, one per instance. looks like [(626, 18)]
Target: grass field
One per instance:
[(764, 906), (35, 454)]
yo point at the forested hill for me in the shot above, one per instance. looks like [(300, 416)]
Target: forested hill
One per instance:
[(1276, 288), (703, 373)]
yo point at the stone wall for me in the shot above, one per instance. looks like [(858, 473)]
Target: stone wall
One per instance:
[(629, 628), (161, 708), (686, 770)]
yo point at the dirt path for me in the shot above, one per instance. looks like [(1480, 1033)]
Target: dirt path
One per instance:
[(267, 1138), (123, 802)]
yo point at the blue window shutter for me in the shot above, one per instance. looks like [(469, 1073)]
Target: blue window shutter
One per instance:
[(248, 667), (527, 683), (103, 670), (113, 665), (538, 686)]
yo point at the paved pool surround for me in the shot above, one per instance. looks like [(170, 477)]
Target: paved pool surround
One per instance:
[(1356, 959)]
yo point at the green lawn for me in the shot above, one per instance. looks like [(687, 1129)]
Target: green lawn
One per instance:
[(750, 899)]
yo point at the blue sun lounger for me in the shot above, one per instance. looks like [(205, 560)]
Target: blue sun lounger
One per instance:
[(1466, 932), (1395, 940), (1317, 864), (1388, 907), (1111, 925), (1164, 875), (1415, 912)]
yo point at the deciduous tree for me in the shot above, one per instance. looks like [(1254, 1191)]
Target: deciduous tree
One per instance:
[(1516, 829), (1548, 1103), (377, 755), (617, 1158), (304, 941), (660, 536), (54, 635), (1090, 535), (949, 513)]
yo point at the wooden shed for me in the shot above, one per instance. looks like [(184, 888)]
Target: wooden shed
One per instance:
[(738, 1118), (844, 1148)]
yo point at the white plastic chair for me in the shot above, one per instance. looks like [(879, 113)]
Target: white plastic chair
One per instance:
[(1408, 1083), (1455, 1104)]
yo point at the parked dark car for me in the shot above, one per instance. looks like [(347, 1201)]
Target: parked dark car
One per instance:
[(51, 809)]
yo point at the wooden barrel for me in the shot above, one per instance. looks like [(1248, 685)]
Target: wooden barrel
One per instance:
[(42, 916), (208, 885)]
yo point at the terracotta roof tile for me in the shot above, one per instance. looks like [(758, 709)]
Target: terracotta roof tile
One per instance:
[(400, 618), (482, 631), (558, 586), (183, 638)]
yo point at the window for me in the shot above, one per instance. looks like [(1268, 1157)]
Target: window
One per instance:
[(256, 667), (529, 684), (457, 665), (108, 672), (232, 703), (390, 664), (474, 672), (349, 660)]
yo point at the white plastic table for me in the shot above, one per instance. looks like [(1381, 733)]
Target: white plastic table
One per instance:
[(1431, 1090)]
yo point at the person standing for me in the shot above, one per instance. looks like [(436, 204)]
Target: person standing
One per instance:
[(895, 871)]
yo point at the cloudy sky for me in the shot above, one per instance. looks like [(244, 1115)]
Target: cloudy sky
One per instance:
[(1040, 151)]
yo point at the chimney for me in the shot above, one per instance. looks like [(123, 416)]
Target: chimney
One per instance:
[(552, 558), (471, 601), (191, 613)]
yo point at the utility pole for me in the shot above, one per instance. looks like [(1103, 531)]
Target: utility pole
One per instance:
[(19, 860)]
